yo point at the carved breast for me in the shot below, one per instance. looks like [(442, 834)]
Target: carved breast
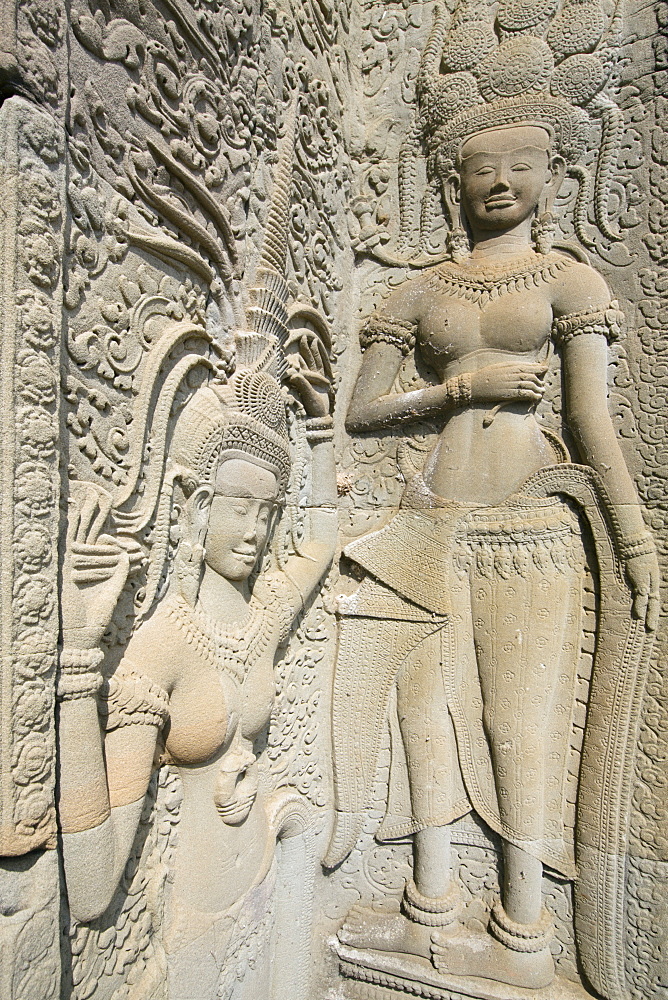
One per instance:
[(201, 709), (474, 306), (452, 327), (226, 681)]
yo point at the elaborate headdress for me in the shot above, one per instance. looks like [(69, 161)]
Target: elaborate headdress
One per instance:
[(244, 419), (495, 64), (241, 416)]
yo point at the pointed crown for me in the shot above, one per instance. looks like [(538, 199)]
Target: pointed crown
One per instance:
[(246, 417), (243, 419)]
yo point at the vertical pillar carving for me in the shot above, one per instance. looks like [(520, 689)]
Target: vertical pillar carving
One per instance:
[(32, 171), (32, 166)]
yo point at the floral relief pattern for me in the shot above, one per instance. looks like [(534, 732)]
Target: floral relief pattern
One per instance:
[(33, 144)]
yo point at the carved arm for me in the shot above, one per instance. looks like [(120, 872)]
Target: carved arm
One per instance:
[(98, 821), (585, 359), (311, 379)]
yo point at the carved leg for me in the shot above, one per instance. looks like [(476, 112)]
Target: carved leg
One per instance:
[(517, 948), (522, 885), (431, 861), (527, 631)]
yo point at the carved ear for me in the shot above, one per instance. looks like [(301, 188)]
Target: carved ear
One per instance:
[(452, 196), (200, 504), (558, 172)]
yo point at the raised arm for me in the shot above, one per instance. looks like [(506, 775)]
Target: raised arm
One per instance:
[(102, 784), (583, 334), (311, 379)]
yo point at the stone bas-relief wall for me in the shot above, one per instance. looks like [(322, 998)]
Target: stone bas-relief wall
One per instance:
[(282, 768)]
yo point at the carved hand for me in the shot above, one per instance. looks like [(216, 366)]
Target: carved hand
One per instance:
[(310, 375), (644, 579), (95, 568), (505, 383)]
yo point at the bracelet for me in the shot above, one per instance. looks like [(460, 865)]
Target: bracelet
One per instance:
[(71, 687), (75, 661), (459, 389), (319, 429), (638, 545), (315, 437), (320, 423)]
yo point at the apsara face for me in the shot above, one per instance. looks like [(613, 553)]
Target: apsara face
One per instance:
[(240, 517), (504, 173)]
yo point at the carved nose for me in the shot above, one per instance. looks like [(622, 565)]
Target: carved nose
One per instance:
[(500, 183), (250, 534)]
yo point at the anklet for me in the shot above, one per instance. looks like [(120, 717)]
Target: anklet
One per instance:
[(521, 937), (428, 910)]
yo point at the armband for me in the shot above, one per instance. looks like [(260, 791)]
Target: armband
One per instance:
[(398, 333), (608, 323), (131, 698)]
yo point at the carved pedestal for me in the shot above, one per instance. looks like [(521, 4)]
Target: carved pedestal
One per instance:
[(379, 975)]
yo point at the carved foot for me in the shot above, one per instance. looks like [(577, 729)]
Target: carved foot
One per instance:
[(517, 954), (408, 933), (385, 930)]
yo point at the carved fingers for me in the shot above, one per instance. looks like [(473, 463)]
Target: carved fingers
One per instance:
[(644, 578), (503, 383), (310, 373), (88, 508), (95, 567)]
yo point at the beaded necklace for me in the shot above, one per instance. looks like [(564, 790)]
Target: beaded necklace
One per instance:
[(231, 649), (483, 282)]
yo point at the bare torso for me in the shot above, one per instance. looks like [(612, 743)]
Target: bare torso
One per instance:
[(484, 453), (220, 703)]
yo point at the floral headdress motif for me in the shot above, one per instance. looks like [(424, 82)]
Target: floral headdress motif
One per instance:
[(243, 419), (246, 415), (516, 62)]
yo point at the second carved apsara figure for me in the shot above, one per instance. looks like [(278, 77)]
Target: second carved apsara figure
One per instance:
[(471, 606)]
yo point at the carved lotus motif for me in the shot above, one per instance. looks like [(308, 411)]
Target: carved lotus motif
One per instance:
[(38, 191), (46, 19), (39, 253), (36, 318), (33, 807), (36, 380), (32, 547), (38, 432), (33, 489), (32, 759), (35, 663), (34, 597)]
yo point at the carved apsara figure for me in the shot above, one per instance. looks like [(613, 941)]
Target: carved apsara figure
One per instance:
[(195, 686), (472, 601), (196, 682)]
